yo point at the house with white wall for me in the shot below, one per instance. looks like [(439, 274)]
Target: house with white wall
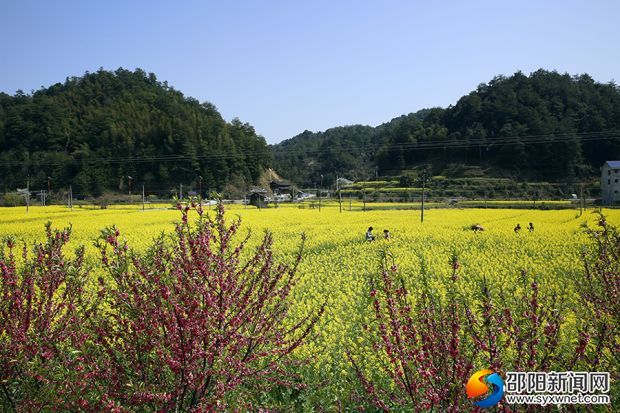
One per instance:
[(610, 182)]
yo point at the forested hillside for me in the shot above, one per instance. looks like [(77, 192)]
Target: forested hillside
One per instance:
[(546, 126), (95, 131)]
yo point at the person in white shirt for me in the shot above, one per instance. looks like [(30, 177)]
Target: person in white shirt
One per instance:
[(369, 235)]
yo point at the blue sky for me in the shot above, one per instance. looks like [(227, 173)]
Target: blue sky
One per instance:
[(287, 66)]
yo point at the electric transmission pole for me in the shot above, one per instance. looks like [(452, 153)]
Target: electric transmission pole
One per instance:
[(28, 194), (339, 194), (200, 189), (129, 179), (424, 178), (320, 192)]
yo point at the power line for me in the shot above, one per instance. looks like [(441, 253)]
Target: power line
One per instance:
[(488, 143)]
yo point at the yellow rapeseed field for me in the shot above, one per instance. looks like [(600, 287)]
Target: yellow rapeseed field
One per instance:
[(338, 263)]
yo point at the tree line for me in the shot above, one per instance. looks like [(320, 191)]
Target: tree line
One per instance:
[(96, 131)]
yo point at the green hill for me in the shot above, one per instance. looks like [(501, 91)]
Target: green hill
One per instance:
[(543, 127), (96, 130)]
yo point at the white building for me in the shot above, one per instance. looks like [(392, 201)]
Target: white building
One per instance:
[(610, 182)]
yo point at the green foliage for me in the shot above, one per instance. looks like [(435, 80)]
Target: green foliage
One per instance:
[(543, 116), (12, 199), (342, 151), (96, 130)]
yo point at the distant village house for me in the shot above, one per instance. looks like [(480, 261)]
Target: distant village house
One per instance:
[(258, 197), (610, 182), (280, 186)]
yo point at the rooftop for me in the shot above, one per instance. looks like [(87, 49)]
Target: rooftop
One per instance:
[(280, 182)]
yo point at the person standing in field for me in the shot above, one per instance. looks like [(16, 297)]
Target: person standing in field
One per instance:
[(531, 227), (517, 228)]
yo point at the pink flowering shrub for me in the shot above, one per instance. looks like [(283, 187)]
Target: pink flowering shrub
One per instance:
[(516, 327), (600, 292), (432, 343), (42, 313), (426, 358), (196, 325)]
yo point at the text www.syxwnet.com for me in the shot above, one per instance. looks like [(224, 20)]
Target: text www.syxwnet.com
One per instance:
[(546, 399)]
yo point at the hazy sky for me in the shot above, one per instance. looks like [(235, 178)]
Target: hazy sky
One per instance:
[(287, 66)]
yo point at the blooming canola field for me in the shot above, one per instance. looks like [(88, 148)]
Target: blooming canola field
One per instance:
[(338, 263)]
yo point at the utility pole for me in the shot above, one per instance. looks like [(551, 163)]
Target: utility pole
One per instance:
[(350, 196), (581, 200), (364, 198), (584, 201), (43, 196), (28, 194), (180, 191), (143, 196), (320, 192), (70, 200), (200, 188), (49, 185), (339, 195), (129, 179), (424, 179)]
